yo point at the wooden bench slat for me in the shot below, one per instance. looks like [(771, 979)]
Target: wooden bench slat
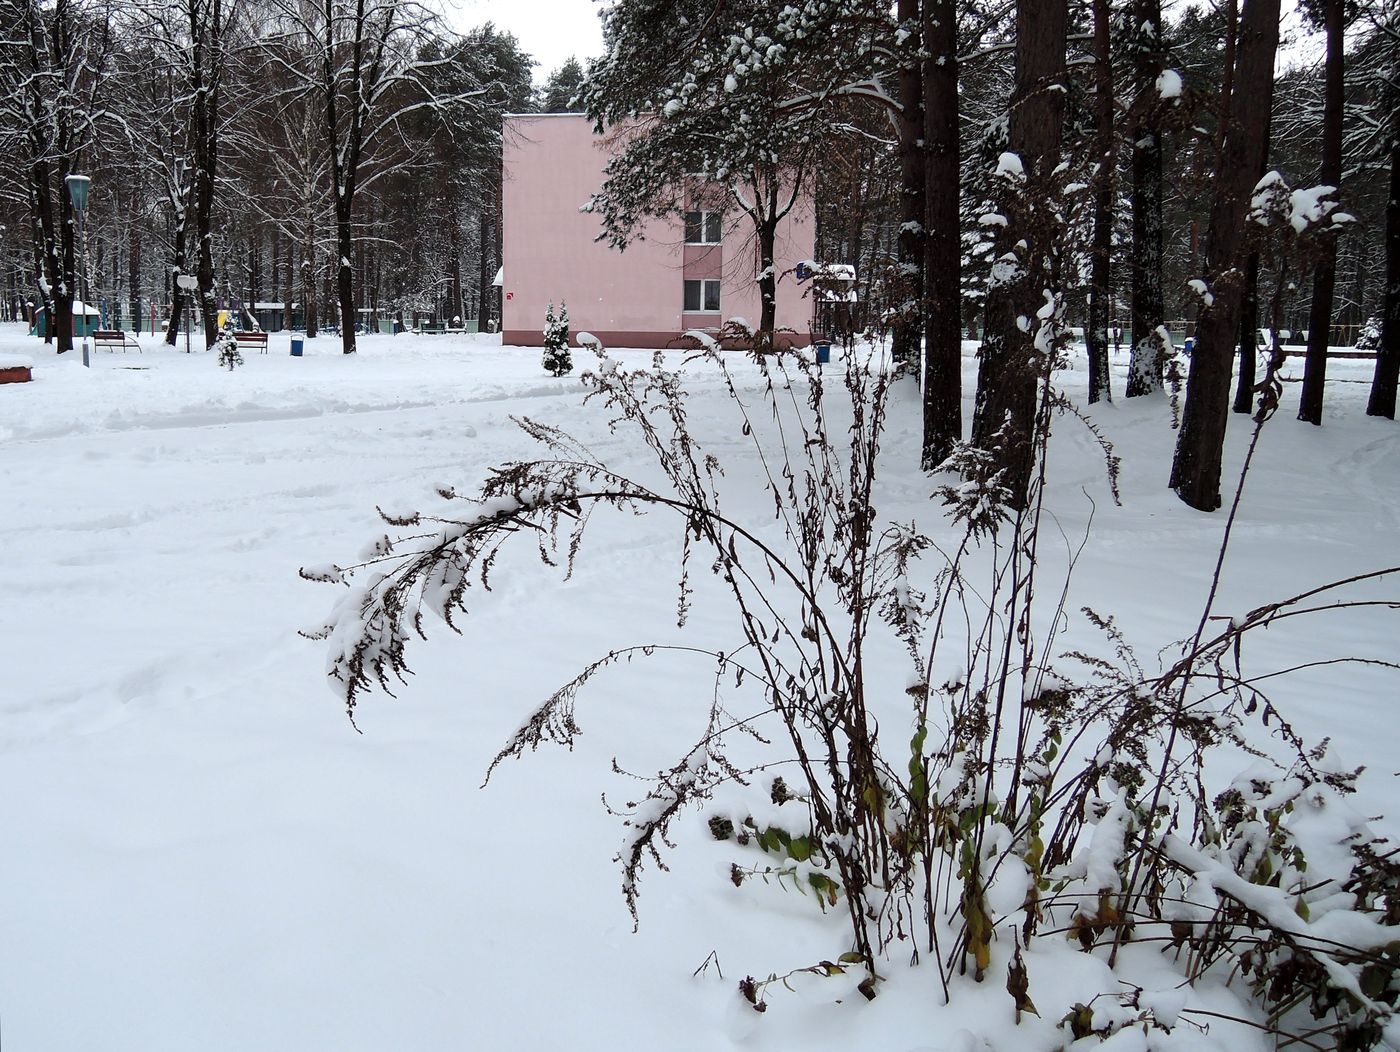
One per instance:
[(111, 339)]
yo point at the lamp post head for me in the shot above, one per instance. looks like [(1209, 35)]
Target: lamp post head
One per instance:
[(78, 190)]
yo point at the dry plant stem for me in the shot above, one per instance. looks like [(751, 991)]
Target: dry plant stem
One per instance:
[(808, 586), (1268, 405), (1250, 1022)]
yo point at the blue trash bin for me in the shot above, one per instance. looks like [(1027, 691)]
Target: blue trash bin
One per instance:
[(823, 353), (296, 347), (1190, 344)]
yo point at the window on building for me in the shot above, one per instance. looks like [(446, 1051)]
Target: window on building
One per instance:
[(702, 297), (703, 228)]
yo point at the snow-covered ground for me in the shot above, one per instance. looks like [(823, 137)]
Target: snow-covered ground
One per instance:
[(198, 851)]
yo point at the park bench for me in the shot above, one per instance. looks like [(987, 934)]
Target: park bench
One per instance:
[(251, 339), (1351, 352), (111, 339)]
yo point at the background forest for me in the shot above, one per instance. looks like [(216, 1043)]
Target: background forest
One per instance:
[(977, 162), (259, 144)]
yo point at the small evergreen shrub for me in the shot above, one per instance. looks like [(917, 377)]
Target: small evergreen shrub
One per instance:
[(557, 361), (227, 346), (1369, 338)]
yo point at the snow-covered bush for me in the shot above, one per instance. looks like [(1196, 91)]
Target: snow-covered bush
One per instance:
[(226, 344), (557, 360), (1369, 338), (999, 797)]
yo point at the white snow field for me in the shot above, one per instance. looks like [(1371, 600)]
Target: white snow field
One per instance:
[(199, 851)]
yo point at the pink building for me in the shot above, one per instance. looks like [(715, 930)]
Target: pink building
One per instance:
[(695, 273)]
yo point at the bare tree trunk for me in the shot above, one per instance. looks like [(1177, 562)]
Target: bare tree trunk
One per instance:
[(1200, 444), (276, 271), (908, 328), (942, 292), (1387, 377), (1249, 337), (1100, 293), (1330, 174), (345, 274), (288, 285), (69, 289), (254, 272), (1148, 314), (1004, 416), (49, 278), (767, 276), (133, 266), (308, 281), (454, 264), (177, 294), (1249, 323), (207, 37)]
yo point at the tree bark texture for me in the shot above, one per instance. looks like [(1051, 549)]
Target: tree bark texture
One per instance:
[(1387, 376), (1249, 337), (1149, 350), (485, 273), (1007, 381), (906, 345), (308, 281), (179, 251), (767, 274), (133, 268), (1249, 315), (345, 276), (1329, 174), (1200, 445), (942, 294), (1100, 292)]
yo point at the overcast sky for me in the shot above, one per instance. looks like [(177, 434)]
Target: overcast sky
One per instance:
[(550, 30)]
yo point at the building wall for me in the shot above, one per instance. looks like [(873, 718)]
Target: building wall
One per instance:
[(553, 163)]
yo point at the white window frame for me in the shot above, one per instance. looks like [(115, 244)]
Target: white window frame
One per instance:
[(711, 226), (702, 287)]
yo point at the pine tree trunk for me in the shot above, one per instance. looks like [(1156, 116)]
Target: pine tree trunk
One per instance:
[(906, 344), (1387, 376), (1200, 444), (1148, 351), (1100, 292), (454, 266), (1249, 317), (1330, 174), (942, 294), (1004, 416), (485, 271), (1249, 337)]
